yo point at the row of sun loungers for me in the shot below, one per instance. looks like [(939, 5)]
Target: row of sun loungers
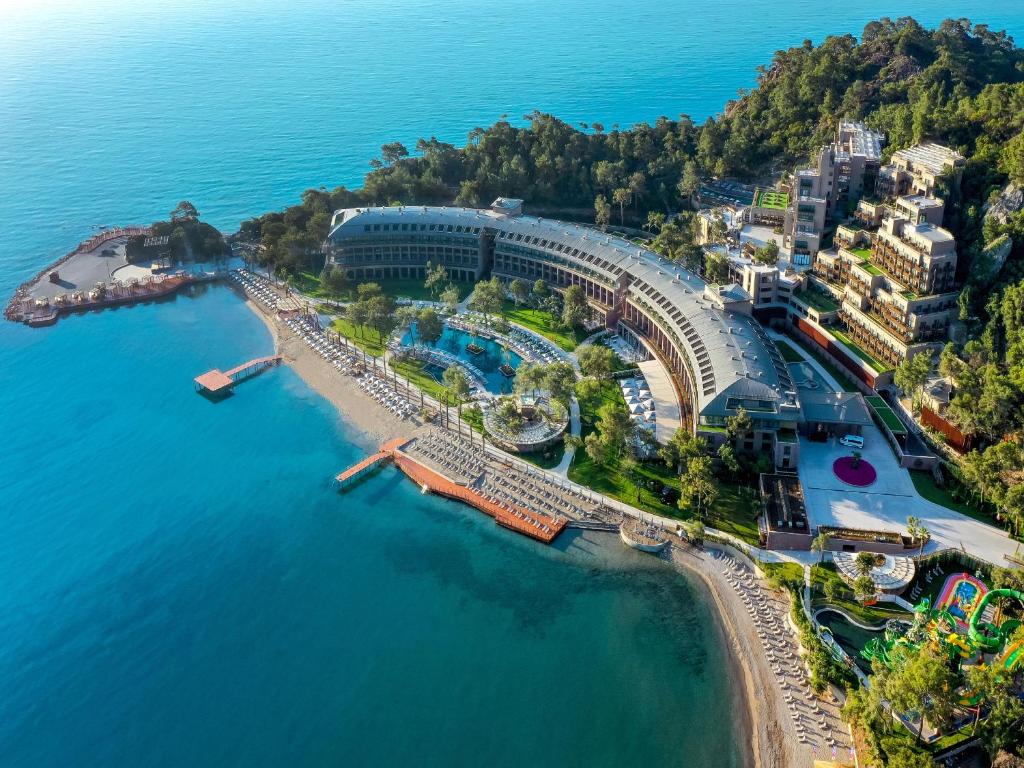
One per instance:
[(384, 393), (382, 390), (256, 287), (451, 452), (810, 719)]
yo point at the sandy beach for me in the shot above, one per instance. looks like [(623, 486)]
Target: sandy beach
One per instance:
[(759, 707), (371, 423), (764, 716)]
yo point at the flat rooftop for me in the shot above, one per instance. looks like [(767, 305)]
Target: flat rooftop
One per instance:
[(931, 157), (860, 140), (921, 201)]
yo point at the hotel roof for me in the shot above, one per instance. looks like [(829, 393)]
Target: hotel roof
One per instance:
[(921, 201), (931, 157), (857, 139), (728, 351)]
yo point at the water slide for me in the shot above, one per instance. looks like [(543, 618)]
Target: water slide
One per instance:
[(987, 636), (1013, 657)]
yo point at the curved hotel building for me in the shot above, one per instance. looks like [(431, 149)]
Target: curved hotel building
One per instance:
[(718, 356)]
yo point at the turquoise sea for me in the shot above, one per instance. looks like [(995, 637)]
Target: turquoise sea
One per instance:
[(181, 585)]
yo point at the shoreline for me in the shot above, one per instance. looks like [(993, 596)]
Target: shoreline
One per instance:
[(370, 425), (762, 719)]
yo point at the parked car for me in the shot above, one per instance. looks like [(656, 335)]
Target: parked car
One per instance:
[(852, 441)]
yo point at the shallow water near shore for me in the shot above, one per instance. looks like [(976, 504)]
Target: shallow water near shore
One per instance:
[(184, 586)]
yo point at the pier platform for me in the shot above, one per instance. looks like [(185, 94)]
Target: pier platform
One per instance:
[(536, 525), (217, 382)]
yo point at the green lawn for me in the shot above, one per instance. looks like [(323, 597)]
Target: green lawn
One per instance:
[(840, 375), (414, 371), (366, 339), (733, 512), (789, 354), (925, 485), (866, 614), (818, 300), (862, 253), (546, 325), (546, 459), (784, 572), (885, 413), (770, 199), (847, 342), (870, 268), (308, 283)]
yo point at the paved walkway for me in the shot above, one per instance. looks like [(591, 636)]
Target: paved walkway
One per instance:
[(574, 429), (886, 503)]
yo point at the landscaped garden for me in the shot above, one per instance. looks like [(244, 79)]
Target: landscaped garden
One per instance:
[(546, 324), (847, 342), (408, 288), (367, 340), (817, 300), (885, 413), (767, 198)]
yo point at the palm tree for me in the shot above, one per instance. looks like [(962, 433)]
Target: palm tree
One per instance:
[(819, 544), (917, 533)]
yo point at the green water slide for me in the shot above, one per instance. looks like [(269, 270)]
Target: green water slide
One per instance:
[(988, 636), (1013, 657)]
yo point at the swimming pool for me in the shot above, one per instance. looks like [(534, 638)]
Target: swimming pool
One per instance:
[(454, 341)]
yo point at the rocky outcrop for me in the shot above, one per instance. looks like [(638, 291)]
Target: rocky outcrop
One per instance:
[(1009, 200)]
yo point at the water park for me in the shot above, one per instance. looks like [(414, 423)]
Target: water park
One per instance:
[(962, 619)]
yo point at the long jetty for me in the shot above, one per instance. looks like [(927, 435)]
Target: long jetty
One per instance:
[(367, 465), (530, 523), (218, 382)]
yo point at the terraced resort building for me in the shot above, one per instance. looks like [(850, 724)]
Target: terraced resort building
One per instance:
[(718, 356)]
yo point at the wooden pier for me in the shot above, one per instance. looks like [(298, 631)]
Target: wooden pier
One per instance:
[(364, 467), (217, 382), (528, 522)]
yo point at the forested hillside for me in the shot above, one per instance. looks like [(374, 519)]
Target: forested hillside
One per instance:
[(959, 83)]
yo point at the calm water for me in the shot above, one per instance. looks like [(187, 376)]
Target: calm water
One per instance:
[(181, 584)]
